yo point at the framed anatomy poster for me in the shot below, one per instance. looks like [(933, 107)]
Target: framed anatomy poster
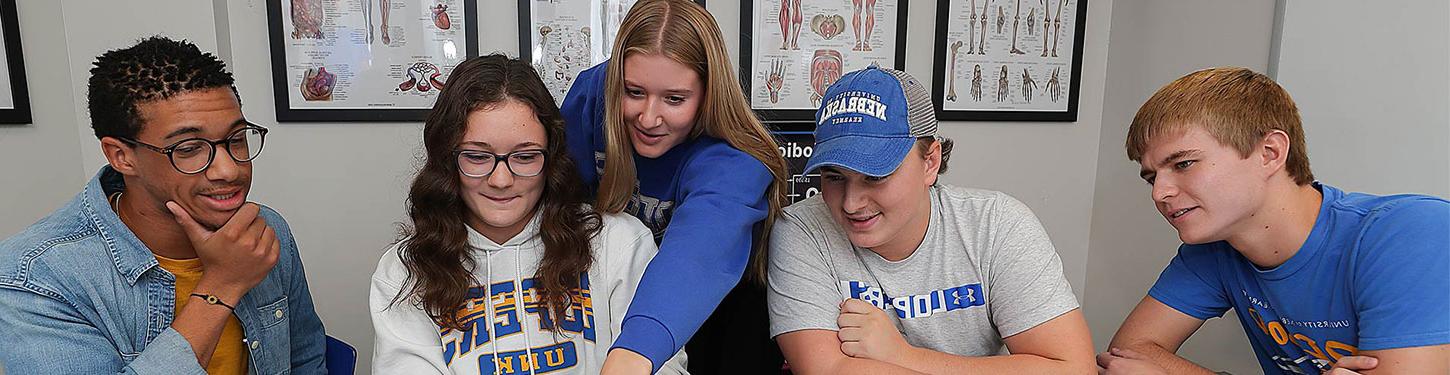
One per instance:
[(14, 95), (365, 60), (564, 37), (1008, 60), (792, 50)]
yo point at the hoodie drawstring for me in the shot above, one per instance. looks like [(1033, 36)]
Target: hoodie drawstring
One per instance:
[(488, 288), (519, 306)]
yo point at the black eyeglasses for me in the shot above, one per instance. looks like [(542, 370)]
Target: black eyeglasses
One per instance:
[(522, 163), (194, 155)]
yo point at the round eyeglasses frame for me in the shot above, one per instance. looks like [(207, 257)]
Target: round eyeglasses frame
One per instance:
[(169, 151)]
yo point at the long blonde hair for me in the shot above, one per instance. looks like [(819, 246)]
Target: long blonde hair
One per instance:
[(684, 32)]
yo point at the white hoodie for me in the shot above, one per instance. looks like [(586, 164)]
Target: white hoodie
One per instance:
[(408, 342)]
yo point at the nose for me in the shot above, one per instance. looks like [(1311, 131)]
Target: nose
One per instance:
[(854, 198), (1163, 188), (649, 118), (223, 167), (501, 177)]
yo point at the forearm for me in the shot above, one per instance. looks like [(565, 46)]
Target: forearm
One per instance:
[(201, 323), (934, 362), (663, 316), (850, 366), (1164, 358), (661, 319)]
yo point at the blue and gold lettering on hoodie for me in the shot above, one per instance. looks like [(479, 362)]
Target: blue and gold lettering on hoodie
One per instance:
[(499, 303)]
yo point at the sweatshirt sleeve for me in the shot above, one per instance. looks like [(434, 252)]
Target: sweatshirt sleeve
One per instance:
[(404, 337), (583, 111), (626, 266), (704, 252)]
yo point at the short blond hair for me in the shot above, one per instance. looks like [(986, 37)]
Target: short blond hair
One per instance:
[(1236, 106)]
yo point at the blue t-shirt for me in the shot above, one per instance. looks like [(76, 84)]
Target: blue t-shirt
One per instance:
[(704, 200), (1373, 274)]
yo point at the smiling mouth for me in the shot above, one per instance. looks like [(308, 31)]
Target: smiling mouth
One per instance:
[(1180, 213), (223, 200), (860, 221), (648, 134), (499, 200)]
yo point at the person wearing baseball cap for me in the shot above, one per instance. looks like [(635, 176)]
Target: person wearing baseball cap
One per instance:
[(888, 271)]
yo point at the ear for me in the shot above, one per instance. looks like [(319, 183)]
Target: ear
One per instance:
[(933, 162), (1274, 151), (120, 155)]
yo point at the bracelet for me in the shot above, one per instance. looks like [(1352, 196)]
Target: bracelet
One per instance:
[(212, 299)]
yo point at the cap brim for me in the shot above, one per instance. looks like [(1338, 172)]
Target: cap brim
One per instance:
[(871, 156)]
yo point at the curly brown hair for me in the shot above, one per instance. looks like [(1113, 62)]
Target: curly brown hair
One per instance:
[(436, 251)]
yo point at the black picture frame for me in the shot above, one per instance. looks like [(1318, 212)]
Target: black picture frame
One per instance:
[(799, 120), (15, 63), (939, 71), (281, 88), (526, 32)]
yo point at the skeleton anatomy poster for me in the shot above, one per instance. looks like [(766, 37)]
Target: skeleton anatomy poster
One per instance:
[(1008, 59), (563, 37), (360, 60), (797, 48)]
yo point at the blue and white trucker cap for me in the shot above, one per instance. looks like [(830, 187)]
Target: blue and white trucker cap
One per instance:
[(869, 120)]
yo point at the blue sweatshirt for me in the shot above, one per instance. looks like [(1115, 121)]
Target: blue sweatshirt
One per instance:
[(710, 195)]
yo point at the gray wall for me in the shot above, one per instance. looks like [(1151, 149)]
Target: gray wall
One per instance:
[(1372, 83), (41, 162)]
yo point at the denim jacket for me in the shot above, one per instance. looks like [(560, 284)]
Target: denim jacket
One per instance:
[(80, 294)]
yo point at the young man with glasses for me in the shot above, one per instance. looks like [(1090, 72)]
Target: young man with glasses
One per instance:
[(160, 265)]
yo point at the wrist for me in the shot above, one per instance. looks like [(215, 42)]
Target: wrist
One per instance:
[(212, 299), (621, 360), (905, 354), (229, 294)]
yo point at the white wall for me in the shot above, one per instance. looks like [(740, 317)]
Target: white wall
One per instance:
[(1152, 43), (1372, 82), (42, 161)]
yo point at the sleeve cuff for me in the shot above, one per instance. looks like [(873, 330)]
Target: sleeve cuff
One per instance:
[(649, 338), (1182, 306), (168, 353)]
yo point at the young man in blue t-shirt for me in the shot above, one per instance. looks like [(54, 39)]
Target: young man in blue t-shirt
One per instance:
[(1322, 280)]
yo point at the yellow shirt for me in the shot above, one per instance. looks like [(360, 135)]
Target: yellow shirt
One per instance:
[(230, 356)]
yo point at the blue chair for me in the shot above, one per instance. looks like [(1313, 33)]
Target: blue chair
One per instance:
[(341, 357)]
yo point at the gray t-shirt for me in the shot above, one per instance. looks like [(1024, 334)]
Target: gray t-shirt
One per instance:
[(986, 270)]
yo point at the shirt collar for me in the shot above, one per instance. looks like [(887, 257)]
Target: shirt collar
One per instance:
[(130, 256)]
